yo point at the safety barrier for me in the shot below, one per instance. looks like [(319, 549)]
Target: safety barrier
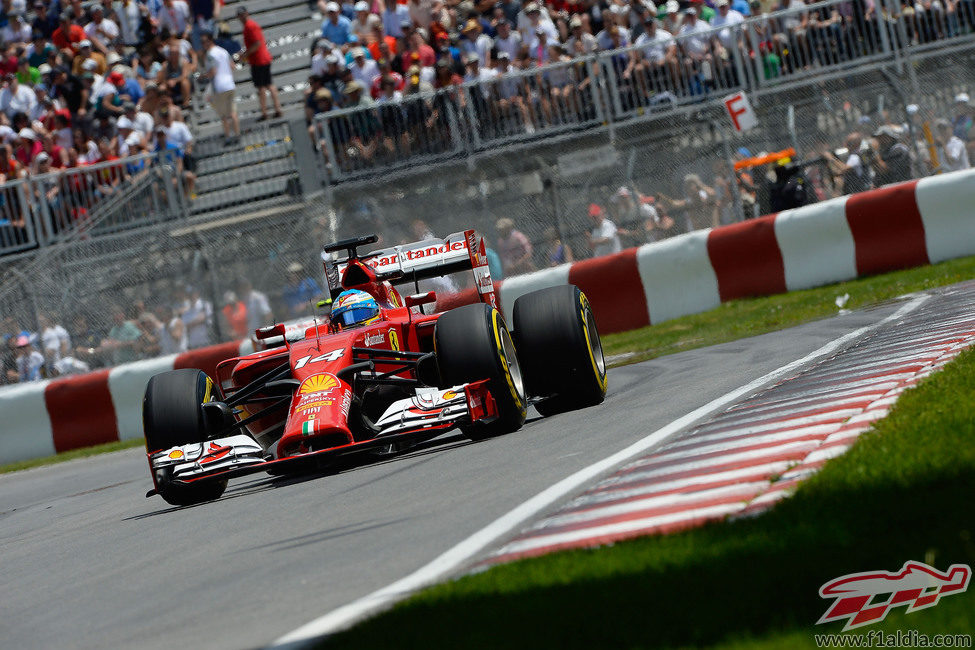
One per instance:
[(895, 227)]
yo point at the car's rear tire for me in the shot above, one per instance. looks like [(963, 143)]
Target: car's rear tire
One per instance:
[(560, 350), (473, 343), (172, 416)]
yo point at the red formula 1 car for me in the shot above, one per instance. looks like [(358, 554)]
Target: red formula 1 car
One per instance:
[(374, 373)]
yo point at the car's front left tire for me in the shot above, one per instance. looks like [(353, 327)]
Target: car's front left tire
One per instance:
[(172, 415)]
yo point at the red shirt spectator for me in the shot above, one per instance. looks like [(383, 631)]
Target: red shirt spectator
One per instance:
[(254, 34), (375, 89), (75, 35), (424, 57), (376, 53)]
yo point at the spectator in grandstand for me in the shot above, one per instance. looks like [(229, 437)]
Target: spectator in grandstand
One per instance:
[(259, 57), (172, 338), (27, 147), (336, 27), (122, 343), (964, 117), (952, 153), (475, 41), (301, 291), (55, 341), (101, 31), (385, 72), (178, 133), (174, 76), (257, 307), (556, 251), (361, 26), (174, 17), (655, 64), (30, 362), (851, 174), (891, 159), (128, 15), (16, 97), (603, 239), (197, 315), (393, 16), (16, 30), (68, 35), (203, 12), (514, 248), (234, 314), (697, 205), (45, 22), (88, 59), (142, 121), (220, 72), (380, 46), (364, 70), (576, 33)]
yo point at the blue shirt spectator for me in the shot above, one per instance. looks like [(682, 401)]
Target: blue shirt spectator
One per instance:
[(338, 32), (741, 6), (300, 292)]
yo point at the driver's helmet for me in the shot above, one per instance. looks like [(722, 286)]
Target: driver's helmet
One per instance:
[(353, 308)]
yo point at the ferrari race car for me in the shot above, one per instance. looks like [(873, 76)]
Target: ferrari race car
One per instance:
[(374, 373)]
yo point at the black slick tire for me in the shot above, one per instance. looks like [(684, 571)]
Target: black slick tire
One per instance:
[(172, 416), (473, 343), (560, 350)]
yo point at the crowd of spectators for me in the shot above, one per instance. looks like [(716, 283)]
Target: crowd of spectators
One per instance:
[(88, 83), (386, 55)]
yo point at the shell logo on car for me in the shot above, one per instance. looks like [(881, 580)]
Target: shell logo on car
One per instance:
[(318, 384)]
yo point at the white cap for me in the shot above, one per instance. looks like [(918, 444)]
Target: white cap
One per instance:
[(362, 5), (332, 6), (721, 3), (27, 134), (84, 43), (89, 64), (123, 123), (672, 6), (331, 58), (912, 109), (357, 52), (961, 98)]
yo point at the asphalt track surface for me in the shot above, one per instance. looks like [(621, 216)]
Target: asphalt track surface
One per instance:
[(87, 562)]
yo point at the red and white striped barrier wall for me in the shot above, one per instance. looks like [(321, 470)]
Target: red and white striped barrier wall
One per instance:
[(43, 418), (897, 227)]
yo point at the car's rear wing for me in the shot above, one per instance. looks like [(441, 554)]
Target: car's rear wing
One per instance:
[(430, 258)]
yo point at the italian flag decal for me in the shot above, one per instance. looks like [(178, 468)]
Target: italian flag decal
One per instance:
[(307, 427)]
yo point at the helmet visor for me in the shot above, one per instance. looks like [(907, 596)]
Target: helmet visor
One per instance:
[(354, 315)]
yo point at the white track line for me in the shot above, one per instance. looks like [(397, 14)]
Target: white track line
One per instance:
[(441, 566)]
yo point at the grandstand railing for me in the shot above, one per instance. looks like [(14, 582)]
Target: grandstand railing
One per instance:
[(605, 88), (91, 200)]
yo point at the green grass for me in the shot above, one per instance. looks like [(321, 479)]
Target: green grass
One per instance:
[(84, 452), (742, 318), (903, 492)]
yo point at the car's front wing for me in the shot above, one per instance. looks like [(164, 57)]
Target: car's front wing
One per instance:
[(426, 415)]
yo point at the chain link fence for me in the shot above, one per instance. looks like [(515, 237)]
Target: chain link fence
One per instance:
[(654, 175)]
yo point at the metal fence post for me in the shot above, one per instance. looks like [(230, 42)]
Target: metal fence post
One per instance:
[(612, 86), (332, 167)]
